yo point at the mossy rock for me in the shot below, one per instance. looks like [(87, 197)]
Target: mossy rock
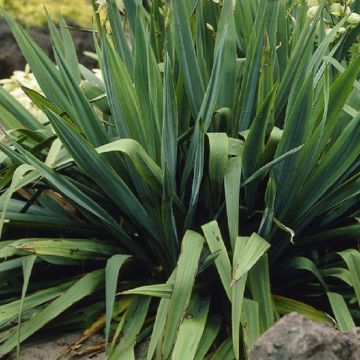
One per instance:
[(31, 12)]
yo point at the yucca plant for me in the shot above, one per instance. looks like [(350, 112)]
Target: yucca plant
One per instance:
[(207, 184)]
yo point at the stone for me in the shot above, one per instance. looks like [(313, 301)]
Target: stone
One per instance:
[(295, 337)]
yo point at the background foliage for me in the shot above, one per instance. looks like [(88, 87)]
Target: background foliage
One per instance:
[(207, 184), (31, 12)]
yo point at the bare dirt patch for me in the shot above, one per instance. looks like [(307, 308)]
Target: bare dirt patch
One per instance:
[(53, 349)]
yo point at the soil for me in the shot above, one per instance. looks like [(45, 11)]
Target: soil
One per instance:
[(52, 349)]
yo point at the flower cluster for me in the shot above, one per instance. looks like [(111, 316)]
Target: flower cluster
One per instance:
[(338, 10), (26, 78), (102, 5), (335, 12)]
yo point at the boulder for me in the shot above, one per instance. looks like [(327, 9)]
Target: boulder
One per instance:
[(295, 337), (11, 58)]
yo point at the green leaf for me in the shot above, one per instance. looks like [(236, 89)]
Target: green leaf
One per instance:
[(82, 288), (285, 306), (218, 163), (341, 312), (249, 251), (224, 351), (217, 246), (237, 297), (272, 163), (13, 107), (210, 333), (251, 72), (255, 143), (67, 188), (191, 329), (18, 177), (186, 55), (27, 265), (74, 249), (250, 322), (160, 321), (88, 159), (232, 182), (124, 102), (39, 63), (113, 267), (259, 278), (352, 260), (130, 327), (192, 245), (11, 309), (159, 290)]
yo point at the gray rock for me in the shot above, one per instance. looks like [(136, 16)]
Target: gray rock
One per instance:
[(11, 58), (295, 337)]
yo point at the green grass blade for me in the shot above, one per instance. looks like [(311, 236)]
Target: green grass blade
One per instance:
[(224, 351), (113, 267), (218, 163), (186, 54), (170, 124), (135, 316), (250, 323), (28, 264), (271, 164), (11, 309), (255, 143), (142, 162), (251, 73), (285, 306), (237, 297), (63, 185), (259, 278), (25, 118), (69, 249), (217, 246), (159, 290), (88, 159), (342, 314), (118, 35), (18, 176), (40, 64), (232, 182), (191, 329), (192, 246), (352, 260), (160, 321), (210, 333), (82, 288), (79, 108), (249, 251)]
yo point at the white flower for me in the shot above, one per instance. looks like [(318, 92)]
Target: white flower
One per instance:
[(98, 74), (337, 9), (312, 11), (101, 4), (342, 30), (210, 27), (120, 5), (311, 3), (353, 19), (328, 31)]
